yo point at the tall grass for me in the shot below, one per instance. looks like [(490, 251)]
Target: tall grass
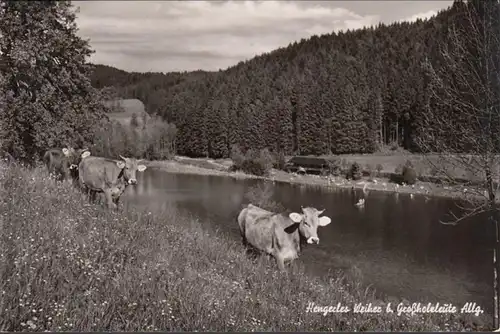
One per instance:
[(67, 265)]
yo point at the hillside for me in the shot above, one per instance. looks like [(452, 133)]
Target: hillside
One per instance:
[(346, 92)]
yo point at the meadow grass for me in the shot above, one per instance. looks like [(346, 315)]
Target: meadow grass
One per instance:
[(68, 265)]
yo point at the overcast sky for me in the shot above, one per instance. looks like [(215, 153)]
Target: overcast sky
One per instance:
[(164, 36)]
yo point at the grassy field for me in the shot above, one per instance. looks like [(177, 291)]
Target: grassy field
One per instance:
[(67, 265)]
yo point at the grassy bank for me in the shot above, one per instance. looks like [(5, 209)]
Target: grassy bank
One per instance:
[(202, 166), (67, 265)]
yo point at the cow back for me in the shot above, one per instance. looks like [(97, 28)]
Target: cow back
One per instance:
[(99, 173)]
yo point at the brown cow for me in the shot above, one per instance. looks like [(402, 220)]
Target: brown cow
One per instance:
[(111, 177), (63, 163), (280, 235)]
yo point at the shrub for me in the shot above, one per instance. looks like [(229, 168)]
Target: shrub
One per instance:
[(237, 157), (334, 167), (409, 175), (261, 195), (354, 172), (379, 168), (253, 162)]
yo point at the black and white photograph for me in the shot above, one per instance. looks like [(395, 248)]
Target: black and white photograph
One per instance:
[(249, 166)]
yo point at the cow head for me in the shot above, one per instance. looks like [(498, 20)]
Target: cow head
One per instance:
[(308, 222), (75, 156), (130, 167)]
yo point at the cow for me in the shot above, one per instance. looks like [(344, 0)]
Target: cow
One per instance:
[(63, 163), (279, 234), (109, 177)]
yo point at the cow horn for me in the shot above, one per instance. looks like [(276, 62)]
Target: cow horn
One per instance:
[(123, 158), (320, 211)]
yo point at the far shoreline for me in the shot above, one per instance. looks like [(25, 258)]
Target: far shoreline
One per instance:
[(379, 184)]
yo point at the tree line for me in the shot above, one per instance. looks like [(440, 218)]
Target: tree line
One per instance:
[(349, 92), (356, 91)]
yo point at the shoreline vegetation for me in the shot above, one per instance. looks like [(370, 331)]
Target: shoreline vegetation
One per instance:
[(70, 265), (382, 183)]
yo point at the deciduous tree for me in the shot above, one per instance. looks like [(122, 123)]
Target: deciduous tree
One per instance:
[(49, 100)]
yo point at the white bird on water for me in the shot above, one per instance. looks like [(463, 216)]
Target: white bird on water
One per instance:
[(411, 196), (361, 203)]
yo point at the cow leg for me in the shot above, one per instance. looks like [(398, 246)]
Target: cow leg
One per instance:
[(92, 195), (116, 200), (109, 199)]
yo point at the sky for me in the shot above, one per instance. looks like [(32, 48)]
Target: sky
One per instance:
[(165, 36)]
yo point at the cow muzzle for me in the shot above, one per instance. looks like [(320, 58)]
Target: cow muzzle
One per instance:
[(313, 240), (132, 181), (73, 166)]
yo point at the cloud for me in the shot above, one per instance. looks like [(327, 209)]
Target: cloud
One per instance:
[(190, 35), (423, 16), (165, 36)]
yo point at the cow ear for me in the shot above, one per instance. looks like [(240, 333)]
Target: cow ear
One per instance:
[(120, 164), (85, 154), (141, 168), (295, 217), (65, 151), (323, 221)]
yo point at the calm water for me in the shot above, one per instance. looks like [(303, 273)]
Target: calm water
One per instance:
[(397, 244)]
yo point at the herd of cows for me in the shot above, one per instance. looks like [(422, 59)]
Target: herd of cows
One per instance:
[(279, 235), (93, 175)]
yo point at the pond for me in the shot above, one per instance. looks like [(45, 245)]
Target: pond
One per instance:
[(395, 242)]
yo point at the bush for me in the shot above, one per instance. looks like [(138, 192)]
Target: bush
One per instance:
[(261, 195), (409, 175), (253, 162), (335, 167), (380, 168), (354, 172), (237, 157)]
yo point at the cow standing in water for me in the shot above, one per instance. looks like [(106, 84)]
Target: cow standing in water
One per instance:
[(108, 176), (279, 234), (63, 163)]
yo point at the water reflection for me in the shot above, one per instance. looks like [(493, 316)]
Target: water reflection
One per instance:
[(395, 241)]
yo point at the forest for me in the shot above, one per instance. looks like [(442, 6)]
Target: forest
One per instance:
[(349, 92)]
